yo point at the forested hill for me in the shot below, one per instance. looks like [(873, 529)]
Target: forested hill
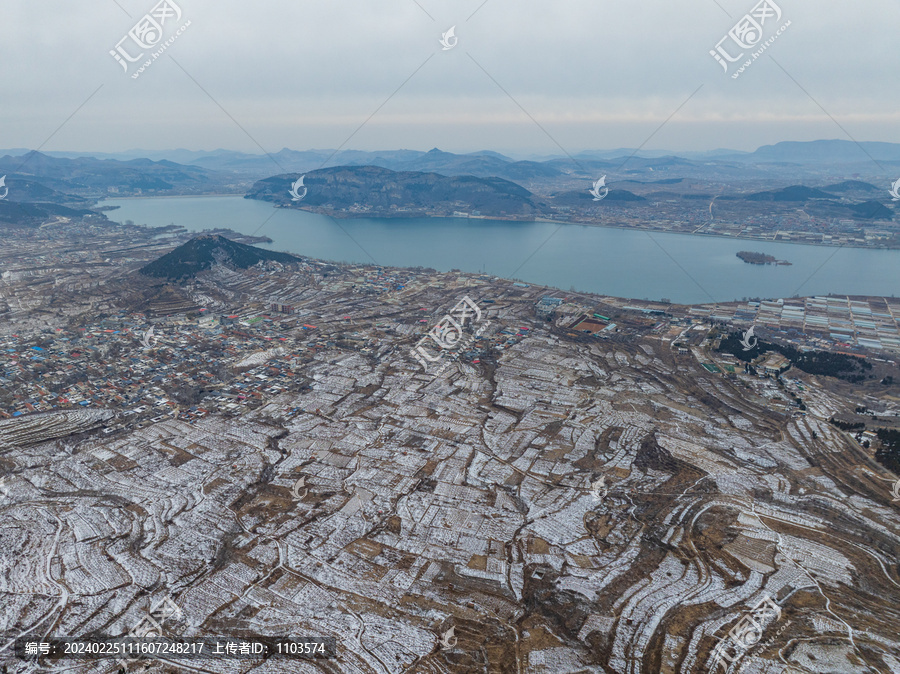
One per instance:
[(203, 252), (372, 190)]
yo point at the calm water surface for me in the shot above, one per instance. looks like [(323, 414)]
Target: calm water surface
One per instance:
[(618, 262)]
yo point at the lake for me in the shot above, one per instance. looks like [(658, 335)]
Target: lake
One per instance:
[(623, 263)]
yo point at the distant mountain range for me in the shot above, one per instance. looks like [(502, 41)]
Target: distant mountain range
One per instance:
[(403, 183), (203, 252), (480, 164), (816, 155), (822, 152), (36, 176)]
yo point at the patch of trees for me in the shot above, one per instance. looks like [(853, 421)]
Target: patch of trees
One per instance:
[(755, 258), (732, 344), (839, 365), (186, 394), (888, 452), (847, 425)]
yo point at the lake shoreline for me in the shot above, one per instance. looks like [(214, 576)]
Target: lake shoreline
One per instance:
[(502, 219), (720, 236), (169, 196)]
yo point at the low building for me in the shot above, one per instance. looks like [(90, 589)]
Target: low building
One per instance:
[(546, 306), (773, 363)]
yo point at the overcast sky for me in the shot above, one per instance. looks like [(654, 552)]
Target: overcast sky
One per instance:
[(525, 76)]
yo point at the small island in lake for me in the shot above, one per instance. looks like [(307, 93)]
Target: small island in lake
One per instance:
[(759, 258)]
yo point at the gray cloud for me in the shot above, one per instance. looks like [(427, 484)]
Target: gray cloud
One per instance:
[(307, 74)]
